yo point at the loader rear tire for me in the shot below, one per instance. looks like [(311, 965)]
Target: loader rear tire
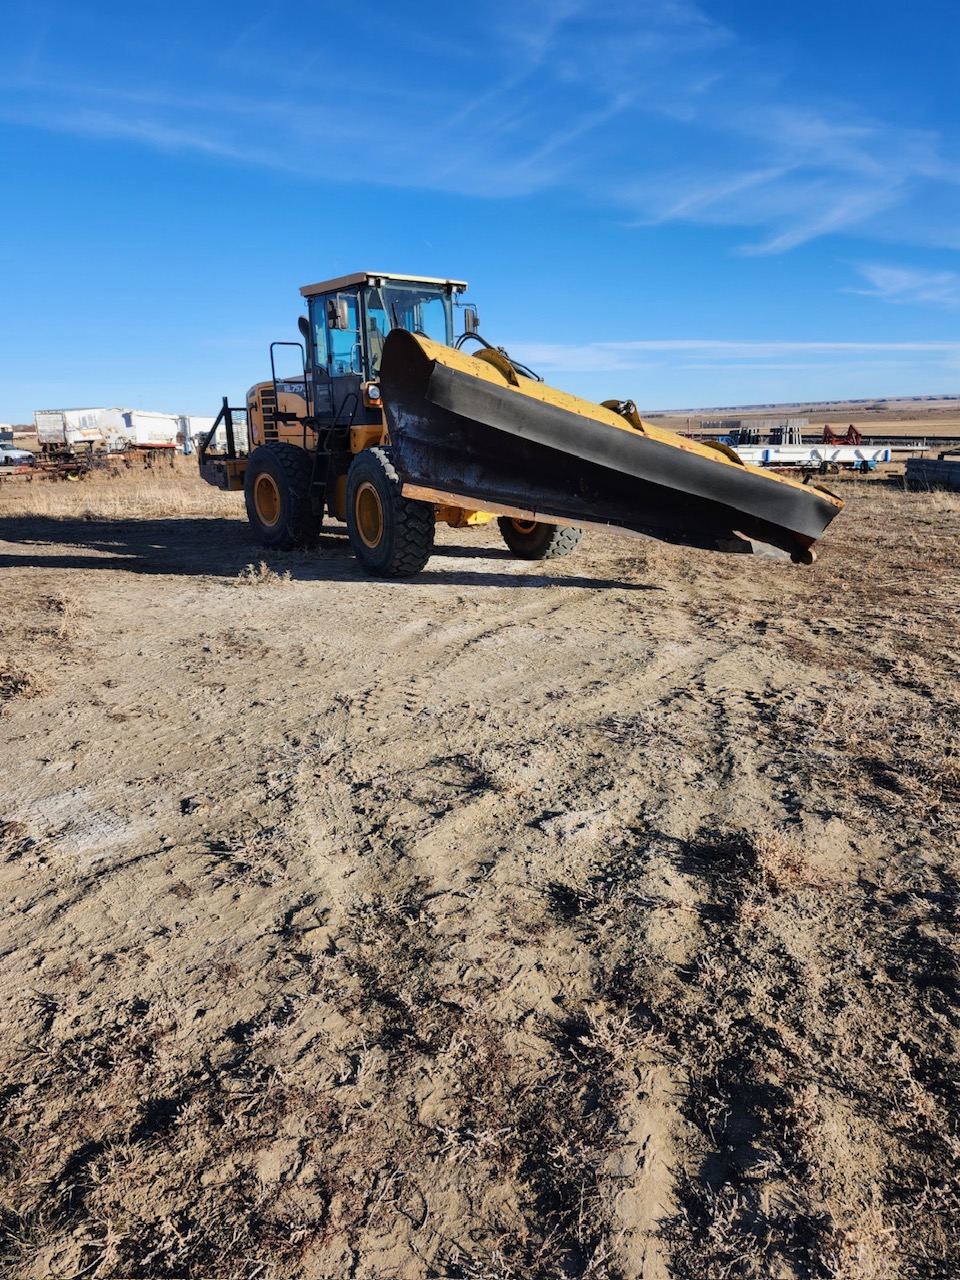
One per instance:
[(531, 540), (276, 489), (391, 536)]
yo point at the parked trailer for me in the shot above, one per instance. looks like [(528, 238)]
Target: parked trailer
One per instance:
[(814, 457), (68, 431), (63, 430), (139, 429)]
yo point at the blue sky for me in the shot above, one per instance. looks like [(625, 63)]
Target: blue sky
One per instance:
[(689, 204)]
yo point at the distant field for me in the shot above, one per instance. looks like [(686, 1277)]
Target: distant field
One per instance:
[(881, 417)]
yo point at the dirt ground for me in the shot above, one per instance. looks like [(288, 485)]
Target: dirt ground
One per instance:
[(595, 918)]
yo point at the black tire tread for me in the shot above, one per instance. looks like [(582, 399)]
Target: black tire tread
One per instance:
[(303, 524), (560, 541), (414, 524)]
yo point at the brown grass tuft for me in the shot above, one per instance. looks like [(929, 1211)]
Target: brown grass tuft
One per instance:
[(18, 682), (261, 575)]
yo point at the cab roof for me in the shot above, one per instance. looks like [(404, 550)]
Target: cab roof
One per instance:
[(377, 277)]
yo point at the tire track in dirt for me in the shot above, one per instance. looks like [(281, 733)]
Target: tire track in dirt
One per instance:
[(399, 701), (418, 956), (452, 869), (795, 1164)]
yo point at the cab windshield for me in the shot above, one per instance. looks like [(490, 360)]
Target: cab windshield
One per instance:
[(421, 308)]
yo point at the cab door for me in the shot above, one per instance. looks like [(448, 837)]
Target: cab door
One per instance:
[(344, 353), (338, 355), (318, 369)]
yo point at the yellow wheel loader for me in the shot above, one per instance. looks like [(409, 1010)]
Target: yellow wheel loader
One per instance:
[(391, 425)]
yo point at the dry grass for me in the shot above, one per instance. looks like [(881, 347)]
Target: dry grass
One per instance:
[(261, 575), (62, 620), (867, 1249), (121, 492), (543, 1134), (18, 682), (782, 1091)]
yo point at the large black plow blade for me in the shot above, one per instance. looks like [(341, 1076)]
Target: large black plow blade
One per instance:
[(466, 432)]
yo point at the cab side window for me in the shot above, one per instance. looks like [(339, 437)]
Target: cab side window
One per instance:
[(343, 333)]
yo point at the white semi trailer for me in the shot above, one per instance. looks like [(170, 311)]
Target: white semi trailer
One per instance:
[(63, 430), (139, 429)]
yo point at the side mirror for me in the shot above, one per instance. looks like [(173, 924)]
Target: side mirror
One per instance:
[(338, 316), (303, 324), (471, 321)]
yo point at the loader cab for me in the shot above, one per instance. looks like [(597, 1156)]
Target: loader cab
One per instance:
[(345, 327)]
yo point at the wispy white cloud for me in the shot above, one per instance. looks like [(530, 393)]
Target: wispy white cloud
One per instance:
[(613, 357), (799, 175), (696, 198), (601, 96), (909, 284), (553, 79)]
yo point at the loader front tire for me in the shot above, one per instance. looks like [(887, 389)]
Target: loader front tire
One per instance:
[(531, 540), (391, 536), (276, 489)]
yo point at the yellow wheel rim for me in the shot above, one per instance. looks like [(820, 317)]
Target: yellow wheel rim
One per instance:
[(369, 512), (266, 499), (524, 526)]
